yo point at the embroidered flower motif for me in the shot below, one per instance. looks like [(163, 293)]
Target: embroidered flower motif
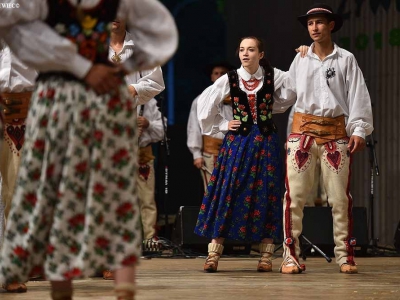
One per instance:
[(88, 23), (100, 27), (60, 28), (73, 30)]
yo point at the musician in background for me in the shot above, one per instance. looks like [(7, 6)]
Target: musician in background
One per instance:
[(151, 130), (205, 148)]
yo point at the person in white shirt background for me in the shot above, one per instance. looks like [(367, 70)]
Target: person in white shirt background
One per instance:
[(81, 214), (205, 148), (332, 116), (16, 85), (143, 86)]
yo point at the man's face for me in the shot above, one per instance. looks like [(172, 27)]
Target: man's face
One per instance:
[(217, 72), (319, 28), (118, 26)]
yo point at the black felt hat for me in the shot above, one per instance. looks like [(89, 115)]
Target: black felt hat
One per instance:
[(322, 9), (224, 64)]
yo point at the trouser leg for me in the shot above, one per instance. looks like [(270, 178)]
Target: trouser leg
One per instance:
[(301, 161), (335, 166), (148, 207)]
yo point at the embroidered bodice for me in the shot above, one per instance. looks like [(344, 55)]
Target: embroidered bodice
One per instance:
[(253, 108), (89, 29)]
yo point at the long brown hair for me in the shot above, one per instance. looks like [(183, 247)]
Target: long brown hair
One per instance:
[(260, 45)]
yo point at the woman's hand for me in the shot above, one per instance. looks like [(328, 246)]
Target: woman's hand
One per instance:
[(234, 125), (303, 49)]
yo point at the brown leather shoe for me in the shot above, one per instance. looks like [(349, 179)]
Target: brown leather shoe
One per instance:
[(214, 253), (348, 269), (264, 265), (108, 275), (15, 287), (291, 266), (265, 262), (211, 264)]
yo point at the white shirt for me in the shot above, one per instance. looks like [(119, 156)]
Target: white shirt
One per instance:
[(194, 136), (148, 83), (15, 77), (40, 47), (155, 132), (208, 107), (346, 94)]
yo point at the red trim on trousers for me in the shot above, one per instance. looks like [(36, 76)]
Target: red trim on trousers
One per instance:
[(288, 215), (349, 248)]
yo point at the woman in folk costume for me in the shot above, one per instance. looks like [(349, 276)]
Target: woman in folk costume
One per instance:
[(243, 198), (75, 208)]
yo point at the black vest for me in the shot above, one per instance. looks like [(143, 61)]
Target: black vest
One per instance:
[(265, 101), (91, 34)]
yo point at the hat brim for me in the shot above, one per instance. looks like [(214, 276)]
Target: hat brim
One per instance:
[(224, 64), (336, 18)]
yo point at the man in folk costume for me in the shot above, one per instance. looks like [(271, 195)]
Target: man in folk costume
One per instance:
[(143, 86), (151, 130), (75, 205), (205, 148), (16, 84), (332, 118)]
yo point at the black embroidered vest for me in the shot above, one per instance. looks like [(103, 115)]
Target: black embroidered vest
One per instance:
[(265, 101), (91, 32)]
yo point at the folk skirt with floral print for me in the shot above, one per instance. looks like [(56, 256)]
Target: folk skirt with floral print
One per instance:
[(75, 209), (243, 199)]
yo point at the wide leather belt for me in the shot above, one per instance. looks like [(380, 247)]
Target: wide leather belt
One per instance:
[(146, 154), (323, 129), (211, 145), (15, 105)]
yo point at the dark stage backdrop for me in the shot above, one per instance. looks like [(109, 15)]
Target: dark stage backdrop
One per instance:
[(210, 30)]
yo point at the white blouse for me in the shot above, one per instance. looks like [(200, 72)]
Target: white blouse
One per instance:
[(208, 109), (152, 27), (15, 77)]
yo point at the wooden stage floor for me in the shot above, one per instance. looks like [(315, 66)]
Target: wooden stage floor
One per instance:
[(166, 278)]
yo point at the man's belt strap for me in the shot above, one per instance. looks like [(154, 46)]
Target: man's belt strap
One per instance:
[(146, 154), (211, 145), (323, 129), (15, 105)]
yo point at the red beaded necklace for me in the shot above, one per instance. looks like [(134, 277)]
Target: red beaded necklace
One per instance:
[(251, 84)]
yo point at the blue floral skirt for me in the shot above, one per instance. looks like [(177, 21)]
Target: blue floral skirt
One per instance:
[(243, 198)]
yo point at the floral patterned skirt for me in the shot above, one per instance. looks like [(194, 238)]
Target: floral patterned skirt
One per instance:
[(243, 199), (74, 210)]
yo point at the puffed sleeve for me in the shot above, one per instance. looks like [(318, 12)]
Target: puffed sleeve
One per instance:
[(148, 85), (208, 108), (41, 48), (194, 136), (360, 121), (154, 32), (284, 96)]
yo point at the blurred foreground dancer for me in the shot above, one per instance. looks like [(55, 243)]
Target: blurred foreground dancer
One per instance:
[(75, 208), (16, 84)]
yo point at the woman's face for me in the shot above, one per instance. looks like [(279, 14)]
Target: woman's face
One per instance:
[(249, 54)]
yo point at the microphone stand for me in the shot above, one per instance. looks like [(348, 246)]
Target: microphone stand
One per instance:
[(165, 156), (374, 170)]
